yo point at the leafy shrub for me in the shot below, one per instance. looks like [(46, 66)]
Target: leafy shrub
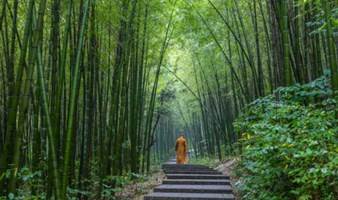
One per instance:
[(31, 186), (289, 145), (115, 184)]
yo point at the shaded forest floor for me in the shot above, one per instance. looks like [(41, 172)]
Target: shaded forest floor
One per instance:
[(227, 167)]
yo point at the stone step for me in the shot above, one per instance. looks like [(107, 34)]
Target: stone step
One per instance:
[(196, 182), (186, 166), (188, 196), (218, 189), (187, 169), (196, 176), (191, 182), (179, 171), (177, 168), (172, 162)]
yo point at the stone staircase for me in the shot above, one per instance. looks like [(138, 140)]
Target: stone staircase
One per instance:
[(188, 182)]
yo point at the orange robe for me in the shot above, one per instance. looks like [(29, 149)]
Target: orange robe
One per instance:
[(181, 150)]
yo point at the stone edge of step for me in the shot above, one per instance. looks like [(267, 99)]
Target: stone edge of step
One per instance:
[(197, 176), (196, 181), (214, 189), (186, 196)]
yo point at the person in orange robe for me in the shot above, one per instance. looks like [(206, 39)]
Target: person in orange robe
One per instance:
[(181, 150)]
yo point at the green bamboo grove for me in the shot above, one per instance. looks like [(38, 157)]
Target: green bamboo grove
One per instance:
[(92, 91), (242, 50), (78, 86)]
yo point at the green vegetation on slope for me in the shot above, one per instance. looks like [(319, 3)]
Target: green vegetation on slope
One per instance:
[(289, 144)]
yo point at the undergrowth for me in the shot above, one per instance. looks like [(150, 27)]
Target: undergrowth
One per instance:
[(289, 145), (208, 161), (32, 185)]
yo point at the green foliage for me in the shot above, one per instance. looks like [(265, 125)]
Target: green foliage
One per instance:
[(114, 184), (208, 161), (31, 186), (289, 144), (73, 193)]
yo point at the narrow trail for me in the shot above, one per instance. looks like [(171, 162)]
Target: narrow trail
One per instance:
[(188, 182)]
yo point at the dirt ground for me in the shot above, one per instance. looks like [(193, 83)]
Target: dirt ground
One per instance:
[(226, 167)]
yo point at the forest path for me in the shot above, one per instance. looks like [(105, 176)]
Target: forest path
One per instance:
[(190, 181)]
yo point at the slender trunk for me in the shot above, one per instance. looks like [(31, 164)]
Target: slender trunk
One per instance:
[(71, 112)]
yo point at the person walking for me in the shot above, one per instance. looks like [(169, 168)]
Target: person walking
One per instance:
[(181, 150)]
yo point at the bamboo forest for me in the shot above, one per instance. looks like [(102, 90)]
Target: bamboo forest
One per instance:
[(95, 94)]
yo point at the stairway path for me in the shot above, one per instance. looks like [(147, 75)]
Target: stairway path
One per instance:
[(188, 182)]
